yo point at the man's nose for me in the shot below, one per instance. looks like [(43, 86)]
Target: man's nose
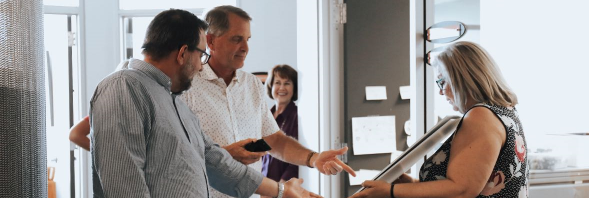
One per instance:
[(245, 46)]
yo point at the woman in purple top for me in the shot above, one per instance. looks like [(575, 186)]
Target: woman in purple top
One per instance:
[(282, 88)]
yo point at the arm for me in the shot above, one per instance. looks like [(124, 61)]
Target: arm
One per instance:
[(475, 149), (226, 174), (239, 153), (292, 188), (238, 180), (290, 150), (118, 118), (79, 134)]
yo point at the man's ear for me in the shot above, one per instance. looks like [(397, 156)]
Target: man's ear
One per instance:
[(181, 57), (210, 38)]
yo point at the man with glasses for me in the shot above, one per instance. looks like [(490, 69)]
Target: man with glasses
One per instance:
[(147, 143), (231, 106)]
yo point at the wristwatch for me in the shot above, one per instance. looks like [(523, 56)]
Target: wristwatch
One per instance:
[(280, 190)]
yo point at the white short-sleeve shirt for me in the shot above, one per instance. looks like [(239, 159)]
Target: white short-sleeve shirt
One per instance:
[(230, 113)]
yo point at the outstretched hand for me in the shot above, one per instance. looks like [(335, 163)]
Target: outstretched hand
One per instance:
[(328, 163), (239, 153), (292, 188)]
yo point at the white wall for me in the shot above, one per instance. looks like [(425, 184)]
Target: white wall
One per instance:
[(308, 106), (101, 47), (274, 33), (100, 55)]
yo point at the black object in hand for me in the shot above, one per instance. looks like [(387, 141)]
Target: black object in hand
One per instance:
[(258, 146)]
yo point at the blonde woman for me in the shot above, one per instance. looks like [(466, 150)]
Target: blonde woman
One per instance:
[(486, 155)]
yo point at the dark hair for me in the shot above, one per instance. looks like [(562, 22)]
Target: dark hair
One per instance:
[(259, 73), (218, 18), (170, 30), (284, 71)]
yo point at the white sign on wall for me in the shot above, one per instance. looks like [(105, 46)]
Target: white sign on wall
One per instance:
[(372, 135)]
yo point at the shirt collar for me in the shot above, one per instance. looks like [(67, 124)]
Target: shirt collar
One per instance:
[(207, 73), (152, 72)]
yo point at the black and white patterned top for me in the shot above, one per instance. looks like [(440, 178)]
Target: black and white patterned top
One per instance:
[(510, 173)]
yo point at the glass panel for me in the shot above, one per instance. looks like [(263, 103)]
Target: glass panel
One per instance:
[(135, 28), (466, 12), (179, 4), (526, 52), (553, 108), (445, 32), (72, 3), (58, 144)]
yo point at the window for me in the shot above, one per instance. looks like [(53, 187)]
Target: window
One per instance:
[(536, 47), (540, 57), (179, 4), (68, 3), (62, 58), (136, 16)]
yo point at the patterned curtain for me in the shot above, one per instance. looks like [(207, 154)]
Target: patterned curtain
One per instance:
[(23, 153)]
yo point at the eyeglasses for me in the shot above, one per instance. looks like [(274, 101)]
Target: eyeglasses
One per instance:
[(441, 82), (204, 57)]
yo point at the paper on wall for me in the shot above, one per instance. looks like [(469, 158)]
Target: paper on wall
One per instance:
[(375, 134), (376, 92), (405, 92)]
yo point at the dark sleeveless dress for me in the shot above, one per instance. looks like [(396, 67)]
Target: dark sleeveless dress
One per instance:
[(510, 173)]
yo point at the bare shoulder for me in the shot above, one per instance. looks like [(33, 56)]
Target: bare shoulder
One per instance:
[(481, 122)]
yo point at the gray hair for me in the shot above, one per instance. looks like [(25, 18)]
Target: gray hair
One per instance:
[(471, 72), (218, 18)]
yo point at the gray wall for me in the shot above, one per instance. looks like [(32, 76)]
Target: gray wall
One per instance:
[(376, 53), (274, 33)]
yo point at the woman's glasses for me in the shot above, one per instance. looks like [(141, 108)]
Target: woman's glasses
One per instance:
[(441, 82)]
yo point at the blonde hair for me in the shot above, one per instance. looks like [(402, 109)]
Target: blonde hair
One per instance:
[(471, 72)]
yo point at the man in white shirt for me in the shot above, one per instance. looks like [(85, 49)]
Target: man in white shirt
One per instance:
[(230, 103)]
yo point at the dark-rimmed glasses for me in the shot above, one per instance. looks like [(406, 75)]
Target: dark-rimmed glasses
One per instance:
[(204, 57)]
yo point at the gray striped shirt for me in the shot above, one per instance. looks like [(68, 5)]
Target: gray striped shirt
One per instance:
[(147, 143)]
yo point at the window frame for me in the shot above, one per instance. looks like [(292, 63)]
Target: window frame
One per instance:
[(78, 168), (125, 14)]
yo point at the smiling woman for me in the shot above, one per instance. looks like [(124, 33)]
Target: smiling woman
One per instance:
[(281, 86)]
